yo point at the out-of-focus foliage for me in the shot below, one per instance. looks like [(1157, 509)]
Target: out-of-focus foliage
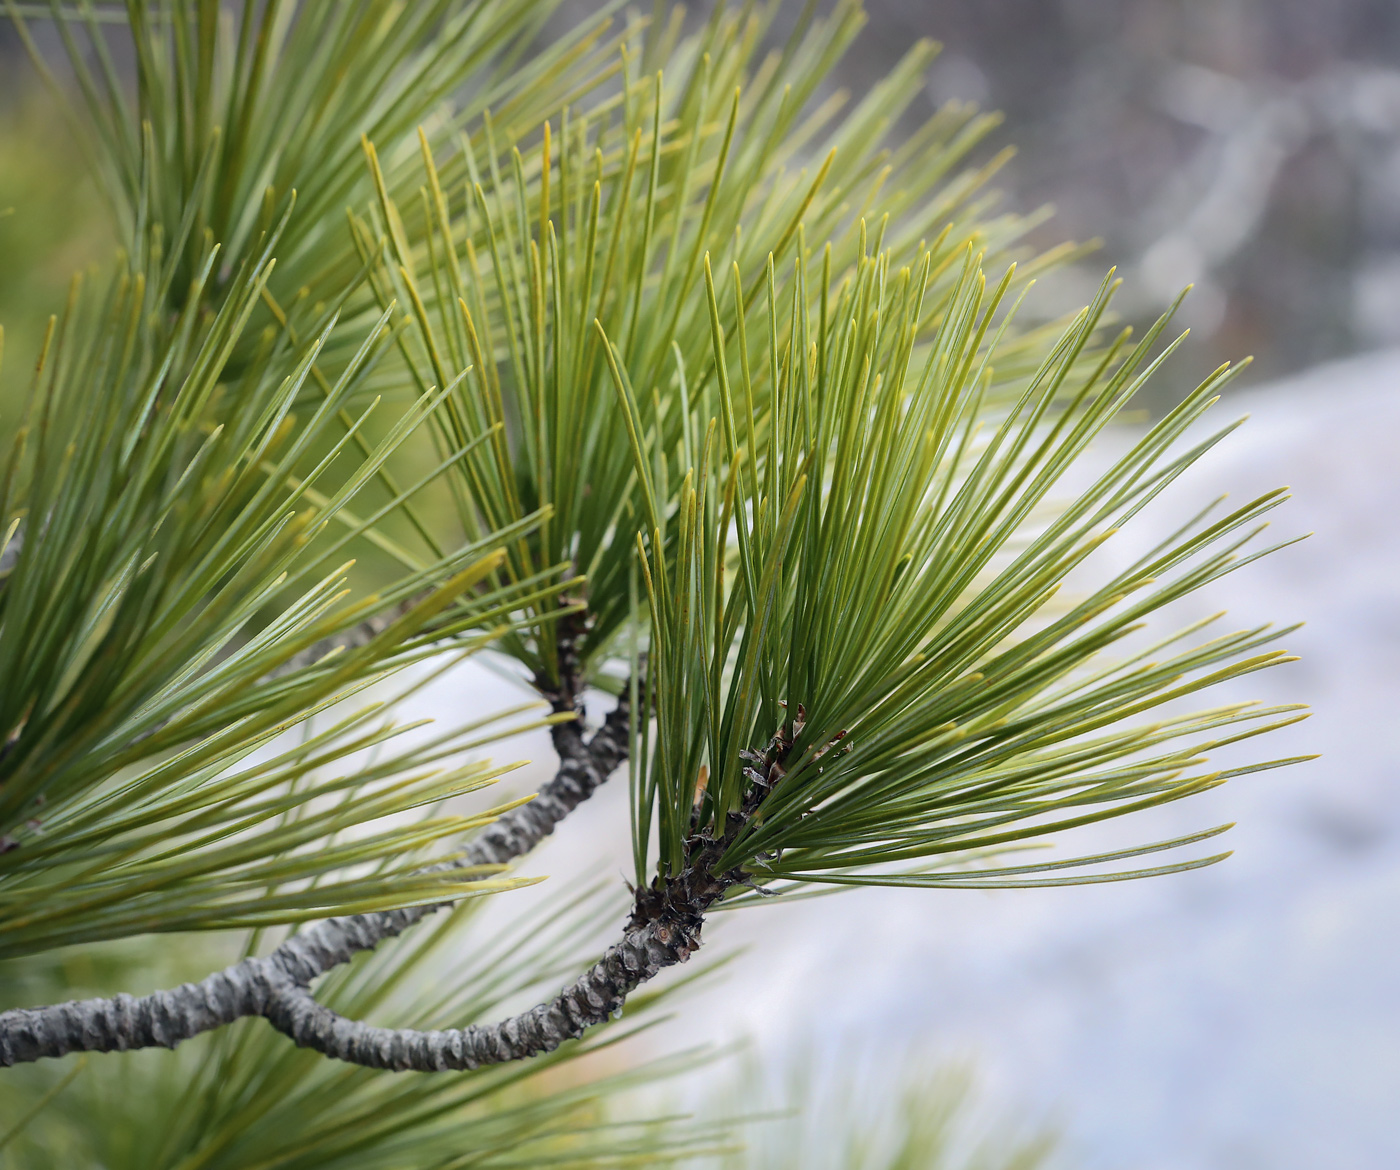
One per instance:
[(877, 1113), (235, 111), (52, 224)]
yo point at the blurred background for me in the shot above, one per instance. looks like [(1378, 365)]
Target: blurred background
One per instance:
[(1251, 147), (1248, 147), (1245, 1017)]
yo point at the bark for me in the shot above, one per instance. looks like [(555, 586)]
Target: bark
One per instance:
[(664, 930), (266, 986), (589, 1000)]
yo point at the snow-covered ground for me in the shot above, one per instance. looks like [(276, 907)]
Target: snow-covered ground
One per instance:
[(1244, 1016)]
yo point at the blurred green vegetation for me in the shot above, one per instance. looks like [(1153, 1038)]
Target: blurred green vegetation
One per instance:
[(52, 224)]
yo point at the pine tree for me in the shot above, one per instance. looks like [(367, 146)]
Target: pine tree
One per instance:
[(639, 362)]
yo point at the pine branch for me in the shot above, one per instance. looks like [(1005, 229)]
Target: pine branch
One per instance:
[(665, 930), (266, 986), (600, 992)]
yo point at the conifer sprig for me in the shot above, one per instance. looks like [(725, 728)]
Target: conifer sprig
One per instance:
[(879, 559), (509, 254), (801, 494), (145, 782), (889, 617)]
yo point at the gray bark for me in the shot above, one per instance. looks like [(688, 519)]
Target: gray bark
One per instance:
[(665, 930), (589, 1000), (276, 985)]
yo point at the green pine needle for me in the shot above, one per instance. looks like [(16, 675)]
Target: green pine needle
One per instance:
[(146, 780)]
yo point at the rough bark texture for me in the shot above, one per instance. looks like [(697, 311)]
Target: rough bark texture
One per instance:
[(268, 985), (664, 930), (599, 993)]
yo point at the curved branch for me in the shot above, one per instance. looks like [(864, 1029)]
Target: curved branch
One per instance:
[(259, 986), (664, 930), (589, 1000)]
